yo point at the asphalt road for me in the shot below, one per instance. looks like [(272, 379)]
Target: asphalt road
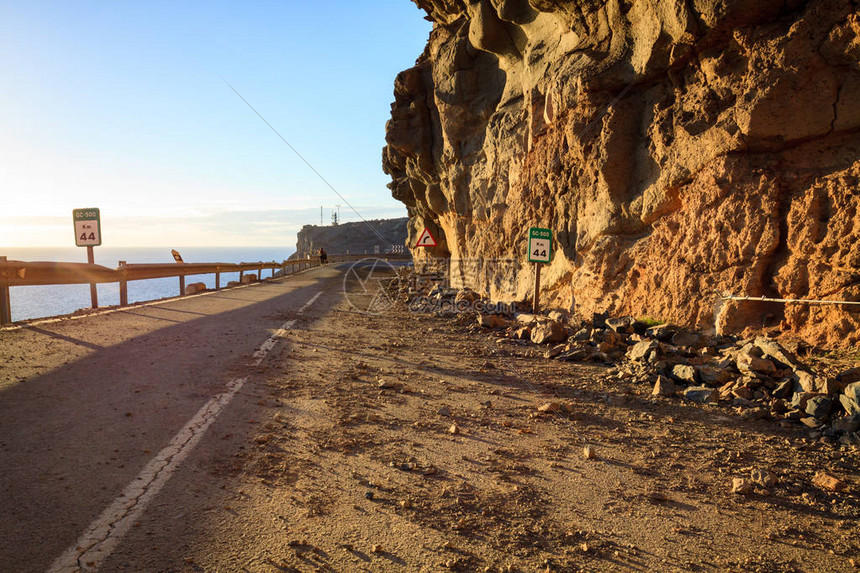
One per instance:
[(97, 410)]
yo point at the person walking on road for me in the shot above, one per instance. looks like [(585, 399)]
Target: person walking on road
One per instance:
[(323, 256)]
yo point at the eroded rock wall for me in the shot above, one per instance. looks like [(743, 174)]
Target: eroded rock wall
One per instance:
[(677, 148)]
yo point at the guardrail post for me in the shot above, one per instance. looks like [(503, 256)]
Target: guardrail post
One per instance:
[(181, 285), (218, 278), (241, 274), (123, 285), (5, 304), (94, 293)]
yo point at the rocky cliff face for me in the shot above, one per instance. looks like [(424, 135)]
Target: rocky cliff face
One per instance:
[(375, 236), (677, 148)]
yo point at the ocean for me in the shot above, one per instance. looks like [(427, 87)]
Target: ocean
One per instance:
[(42, 301)]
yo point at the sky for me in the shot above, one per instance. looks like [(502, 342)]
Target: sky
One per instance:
[(123, 106)]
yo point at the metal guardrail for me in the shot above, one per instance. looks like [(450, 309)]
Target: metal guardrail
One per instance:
[(23, 273)]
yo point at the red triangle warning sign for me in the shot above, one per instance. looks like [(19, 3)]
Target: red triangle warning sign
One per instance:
[(426, 239)]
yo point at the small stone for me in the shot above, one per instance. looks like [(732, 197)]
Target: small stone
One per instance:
[(763, 477), (376, 549), (549, 407), (444, 411), (405, 504), (589, 453), (741, 486), (454, 429), (827, 480)]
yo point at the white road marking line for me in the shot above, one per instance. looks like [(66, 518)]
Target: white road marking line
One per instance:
[(104, 534)]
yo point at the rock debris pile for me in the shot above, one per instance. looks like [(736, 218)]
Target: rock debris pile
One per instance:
[(758, 377)]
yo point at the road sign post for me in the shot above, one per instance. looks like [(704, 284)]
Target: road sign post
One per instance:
[(88, 233), (540, 252), (5, 304)]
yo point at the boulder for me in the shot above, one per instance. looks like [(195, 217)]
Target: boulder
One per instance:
[(249, 278)]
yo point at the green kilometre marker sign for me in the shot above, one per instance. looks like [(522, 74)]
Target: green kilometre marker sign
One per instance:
[(540, 245), (540, 251)]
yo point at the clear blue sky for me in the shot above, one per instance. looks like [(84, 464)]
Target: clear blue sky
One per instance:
[(122, 106)]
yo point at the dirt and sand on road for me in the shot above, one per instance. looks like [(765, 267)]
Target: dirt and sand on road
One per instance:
[(402, 441), (407, 442)]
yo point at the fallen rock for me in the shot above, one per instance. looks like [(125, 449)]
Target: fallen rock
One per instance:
[(819, 407), (557, 315), (712, 376), (851, 406), (741, 486), (548, 331), (749, 364), (249, 278), (641, 351), (684, 373), (589, 453), (454, 429), (826, 480), (763, 477), (847, 425), (662, 332), (493, 321), (194, 288), (623, 325), (849, 376), (664, 387), (686, 338), (701, 394), (550, 407)]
